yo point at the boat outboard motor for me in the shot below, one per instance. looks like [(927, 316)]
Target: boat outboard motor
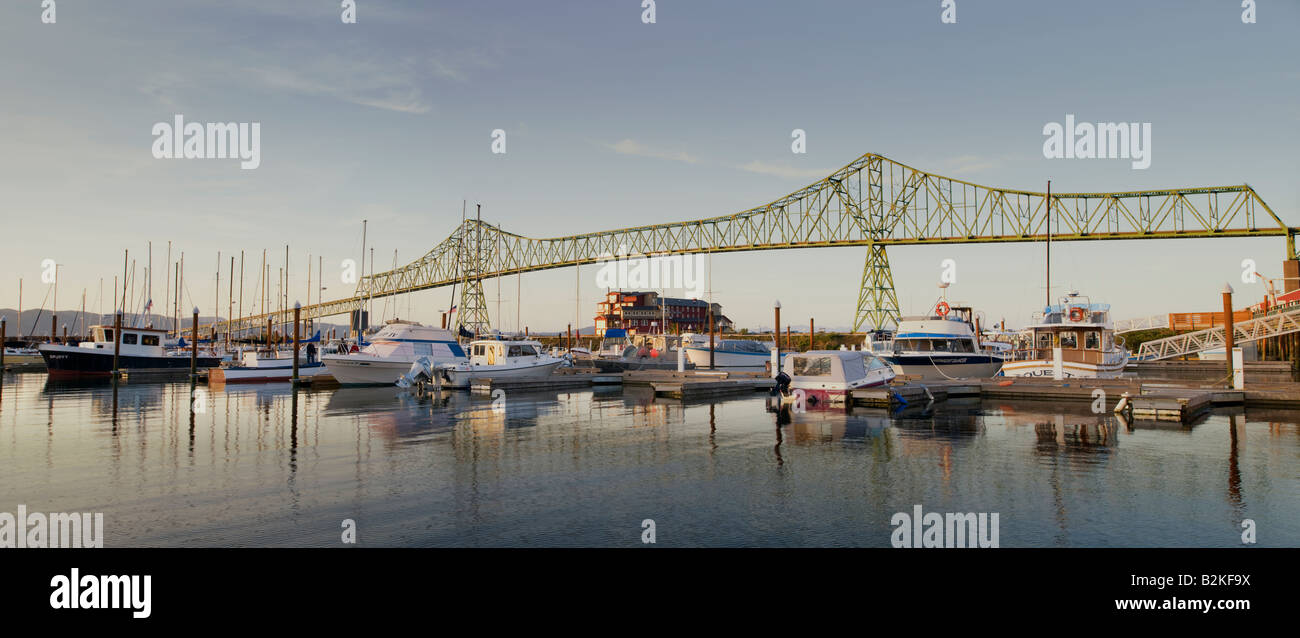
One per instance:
[(782, 386), (421, 371)]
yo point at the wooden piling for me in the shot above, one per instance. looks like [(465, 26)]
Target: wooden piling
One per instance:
[(194, 347), (117, 342), (297, 318), (776, 331), (1228, 337)]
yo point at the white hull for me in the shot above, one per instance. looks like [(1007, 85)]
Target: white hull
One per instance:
[(359, 369), (463, 378), (264, 375), (1044, 368), (738, 361), (942, 371)]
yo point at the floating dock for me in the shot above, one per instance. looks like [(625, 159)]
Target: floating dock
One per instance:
[(561, 379), (1147, 400), (698, 384)]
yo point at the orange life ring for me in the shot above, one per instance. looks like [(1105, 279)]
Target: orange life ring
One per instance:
[(1077, 314), (943, 309)]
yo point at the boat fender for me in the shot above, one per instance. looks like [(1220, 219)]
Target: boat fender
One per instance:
[(897, 396), (1123, 403)]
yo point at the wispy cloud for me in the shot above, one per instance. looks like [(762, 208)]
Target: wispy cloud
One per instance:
[(966, 164), (632, 147), (392, 93), (784, 170)]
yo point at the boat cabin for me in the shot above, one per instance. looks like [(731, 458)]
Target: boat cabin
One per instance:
[(952, 332), (491, 352), (1083, 331), (135, 341)]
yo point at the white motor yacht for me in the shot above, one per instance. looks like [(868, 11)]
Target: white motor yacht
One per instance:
[(390, 353), (942, 345)]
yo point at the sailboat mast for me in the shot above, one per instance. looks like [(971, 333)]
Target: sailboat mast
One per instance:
[(363, 272), (1049, 247)]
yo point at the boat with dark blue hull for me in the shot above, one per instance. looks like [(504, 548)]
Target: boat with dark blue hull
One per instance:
[(943, 345), (141, 350)]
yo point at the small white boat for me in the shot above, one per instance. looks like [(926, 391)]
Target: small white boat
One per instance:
[(522, 360), (1084, 336), (728, 354), (391, 352), (826, 378), (257, 369)]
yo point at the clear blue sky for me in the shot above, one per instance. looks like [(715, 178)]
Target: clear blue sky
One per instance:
[(611, 123)]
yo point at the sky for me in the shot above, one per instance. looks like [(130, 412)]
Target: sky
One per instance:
[(611, 122)]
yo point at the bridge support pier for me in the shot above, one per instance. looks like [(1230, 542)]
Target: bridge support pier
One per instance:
[(877, 301)]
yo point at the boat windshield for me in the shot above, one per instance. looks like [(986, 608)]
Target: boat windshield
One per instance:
[(933, 345), (742, 345), (812, 366)]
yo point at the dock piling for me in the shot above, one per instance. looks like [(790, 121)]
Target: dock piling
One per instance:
[(297, 318), (1227, 333), (194, 347), (117, 342)]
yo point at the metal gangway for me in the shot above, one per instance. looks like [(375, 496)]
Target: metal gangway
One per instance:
[(1141, 323), (1272, 325)]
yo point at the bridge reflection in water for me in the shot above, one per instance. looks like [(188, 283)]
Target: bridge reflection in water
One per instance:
[(266, 466)]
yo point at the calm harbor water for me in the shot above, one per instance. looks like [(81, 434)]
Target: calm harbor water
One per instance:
[(255, 466)]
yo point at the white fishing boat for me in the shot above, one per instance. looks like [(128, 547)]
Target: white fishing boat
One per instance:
[(825, 378), (941, 345), (261, 369), (522, 360), (728, 354), (1076, 338), (390, 353)]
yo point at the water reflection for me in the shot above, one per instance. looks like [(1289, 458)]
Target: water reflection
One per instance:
[(174, 463)]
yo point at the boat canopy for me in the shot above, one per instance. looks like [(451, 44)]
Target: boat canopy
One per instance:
[(1090, 307)]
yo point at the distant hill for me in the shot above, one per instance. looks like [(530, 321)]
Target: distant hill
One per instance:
[(36, 323)]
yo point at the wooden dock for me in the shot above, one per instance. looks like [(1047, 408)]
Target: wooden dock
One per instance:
[(561, 379), (698, 384), (1146, 400)]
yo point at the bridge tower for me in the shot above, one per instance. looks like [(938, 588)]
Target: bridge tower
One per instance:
[(472, 262)]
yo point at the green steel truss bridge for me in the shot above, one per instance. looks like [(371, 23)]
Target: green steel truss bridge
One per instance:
[(872, 202)]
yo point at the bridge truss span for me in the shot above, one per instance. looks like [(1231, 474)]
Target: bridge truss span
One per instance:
[(873, 202)]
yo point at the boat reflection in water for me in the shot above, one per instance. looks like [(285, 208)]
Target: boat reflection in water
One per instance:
[(274, 466)]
